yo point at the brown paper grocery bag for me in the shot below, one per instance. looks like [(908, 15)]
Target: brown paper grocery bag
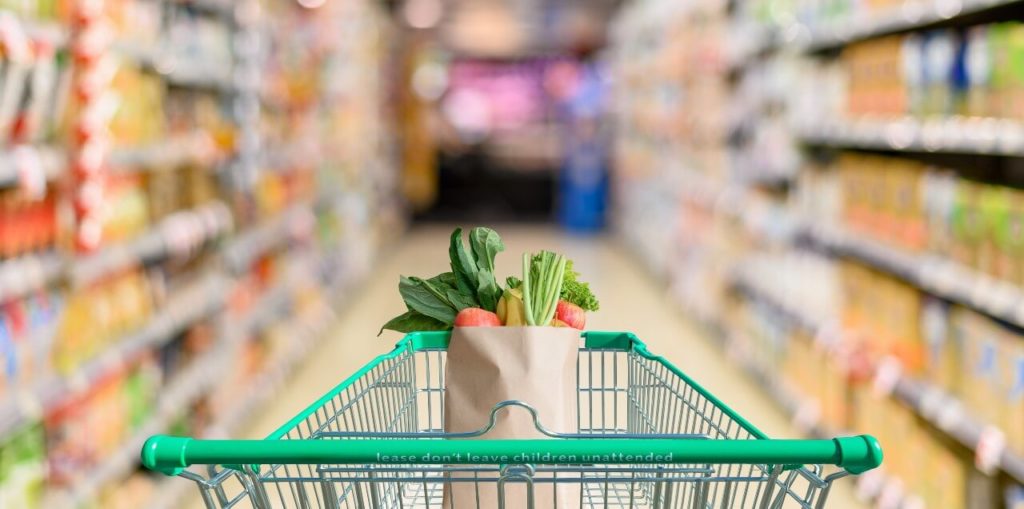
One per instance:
[(488, 365)]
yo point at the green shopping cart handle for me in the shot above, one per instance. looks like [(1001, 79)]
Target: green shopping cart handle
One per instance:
[(171, 455)]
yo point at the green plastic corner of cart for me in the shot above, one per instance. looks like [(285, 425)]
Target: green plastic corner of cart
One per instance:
[(860, 453), (165, 454)]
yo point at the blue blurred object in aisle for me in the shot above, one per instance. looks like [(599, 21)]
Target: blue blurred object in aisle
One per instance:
[(583, 183)]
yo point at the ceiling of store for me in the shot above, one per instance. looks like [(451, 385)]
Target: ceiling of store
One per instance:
[(509, 28)]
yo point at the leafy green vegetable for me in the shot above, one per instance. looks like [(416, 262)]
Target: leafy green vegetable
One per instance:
[(458, 300), (463, 265), (578, 292), (488, 292), (413, 321), (433, 303), (423, 296), (573, 290), (486, 244), (447, 279), (542, 284), (474, 267)]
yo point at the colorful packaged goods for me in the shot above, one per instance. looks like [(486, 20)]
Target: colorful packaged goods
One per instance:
[(141, 93), (1011, 389), (85, 429), (976, 71), (27, 327), (22, 467), (27, 224), (97, 316), (978, 67), (127, 212), (944, 350)]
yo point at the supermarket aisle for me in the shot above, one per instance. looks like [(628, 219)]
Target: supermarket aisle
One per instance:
[(630, 300)]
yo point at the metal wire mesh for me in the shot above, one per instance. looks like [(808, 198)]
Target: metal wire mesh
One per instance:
[(619, 393)]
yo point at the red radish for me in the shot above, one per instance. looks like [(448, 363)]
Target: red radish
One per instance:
[(476, 317), (571, 314)]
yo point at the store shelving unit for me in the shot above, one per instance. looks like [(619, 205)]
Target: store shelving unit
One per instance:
[(188, 305), (940, 277), (935, 275), (23, 275), (45, 162), (177, 234), (802, 412), (959, 135), (944, 411), (790, 76), (910, 15), (307, 329), (172, 152), (241, 256)]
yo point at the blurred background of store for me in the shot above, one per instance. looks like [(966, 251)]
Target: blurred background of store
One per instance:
[(193, 191)]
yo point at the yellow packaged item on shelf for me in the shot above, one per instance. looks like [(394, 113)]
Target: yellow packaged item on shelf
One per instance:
[(834, 394), (908, 202), (1015, 72), (947, 477), (1012, 389), (908, 343), (1009, 232), (998, 49), (981, 374), (902, 431), (978, 67), (993, 206), (968, 223), (878, 194), (919, 449)]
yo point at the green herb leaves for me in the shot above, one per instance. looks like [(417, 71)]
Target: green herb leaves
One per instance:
[(433, 303), (578, 292)]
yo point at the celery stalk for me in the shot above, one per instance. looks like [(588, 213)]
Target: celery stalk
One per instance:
[(527, 290)]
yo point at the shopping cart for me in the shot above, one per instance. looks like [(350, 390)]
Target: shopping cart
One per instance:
[(648, 436)]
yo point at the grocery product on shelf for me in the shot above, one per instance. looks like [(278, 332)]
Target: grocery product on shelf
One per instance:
[(118, 315), (862, 286), (840, 372), (28, 224), (22, 466), (84, 429), (96, 317), (936, 73), (27, 330)]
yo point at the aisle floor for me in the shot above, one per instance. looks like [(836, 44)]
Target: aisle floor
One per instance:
[(630, 300)]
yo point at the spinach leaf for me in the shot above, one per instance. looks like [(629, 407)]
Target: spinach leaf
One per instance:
[(486, 244), (423, 296), (488, 291), (413, 321), (460, 301), (463, 265), (444, 280)]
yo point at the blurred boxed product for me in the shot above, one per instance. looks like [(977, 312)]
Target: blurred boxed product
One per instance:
[(22, 467), (937, 73)]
